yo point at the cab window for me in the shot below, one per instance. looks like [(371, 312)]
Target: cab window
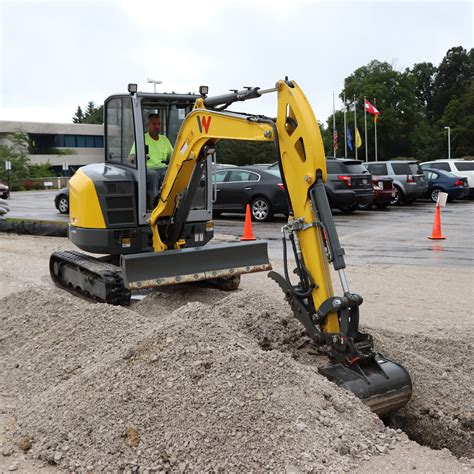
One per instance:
[(119, 130)]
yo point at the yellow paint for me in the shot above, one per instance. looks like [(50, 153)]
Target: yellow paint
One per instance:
[(302, 153), (88, 214)]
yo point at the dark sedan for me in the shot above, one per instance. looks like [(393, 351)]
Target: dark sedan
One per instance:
[(443, 181), (261, 188)]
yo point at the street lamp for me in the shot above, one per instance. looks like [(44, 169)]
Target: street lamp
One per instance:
[(449, 141), (154, 82)]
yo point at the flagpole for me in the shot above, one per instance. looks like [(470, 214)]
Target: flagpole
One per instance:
[(333, 124), (375, 128), (355, 126), (365, 121), (345, 128)]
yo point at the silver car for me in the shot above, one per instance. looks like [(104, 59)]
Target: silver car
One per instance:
[(408, 178)]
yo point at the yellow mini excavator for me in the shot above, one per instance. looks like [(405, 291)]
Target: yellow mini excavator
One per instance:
[(148, 243)]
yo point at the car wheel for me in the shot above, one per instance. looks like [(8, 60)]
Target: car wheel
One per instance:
[(348, 209), (398, 198), (63, 205), (434, 194), (261, 209), (365, 207)]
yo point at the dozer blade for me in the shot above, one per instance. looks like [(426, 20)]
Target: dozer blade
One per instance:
[(154, 269), (383, 385)]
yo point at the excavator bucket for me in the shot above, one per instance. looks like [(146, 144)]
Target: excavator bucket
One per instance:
[(381, 384), (210, 262)]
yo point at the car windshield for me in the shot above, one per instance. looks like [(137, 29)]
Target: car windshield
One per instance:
[(401, 168), (337, 167), (377, 168)]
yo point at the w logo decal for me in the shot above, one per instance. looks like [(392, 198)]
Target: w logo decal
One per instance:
[(204, 123)]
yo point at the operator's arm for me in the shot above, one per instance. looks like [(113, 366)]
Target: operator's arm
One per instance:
[(168, 149), (131, 155)]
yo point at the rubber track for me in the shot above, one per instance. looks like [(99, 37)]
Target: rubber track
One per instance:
[(110, 275)]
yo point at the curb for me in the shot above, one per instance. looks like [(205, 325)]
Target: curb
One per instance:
[(33, 228)]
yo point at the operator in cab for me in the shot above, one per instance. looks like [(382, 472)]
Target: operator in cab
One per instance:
[(159, 151)]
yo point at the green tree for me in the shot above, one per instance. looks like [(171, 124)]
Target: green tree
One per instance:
[(452, 79), (79, 115), (423, 75), (238, 152), (395, 98), (459, 116), (93, 114), (19, 166)]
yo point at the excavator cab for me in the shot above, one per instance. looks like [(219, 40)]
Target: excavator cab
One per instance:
[(125, 121)]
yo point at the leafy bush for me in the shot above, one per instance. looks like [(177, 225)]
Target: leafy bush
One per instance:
[(27, 184)]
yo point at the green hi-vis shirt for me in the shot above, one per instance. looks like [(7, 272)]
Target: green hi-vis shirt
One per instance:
[(158, 151)]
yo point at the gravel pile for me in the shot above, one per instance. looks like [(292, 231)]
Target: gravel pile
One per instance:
[(440, 413), (183, 381)]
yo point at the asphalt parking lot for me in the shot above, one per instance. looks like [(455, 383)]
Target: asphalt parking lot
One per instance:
[(396, 235)]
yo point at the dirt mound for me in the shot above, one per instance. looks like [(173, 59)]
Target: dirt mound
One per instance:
[(190, 387), (440, 413)]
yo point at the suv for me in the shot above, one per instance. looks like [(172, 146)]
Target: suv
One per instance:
[(348, 185), (408, 178), (458, 167)]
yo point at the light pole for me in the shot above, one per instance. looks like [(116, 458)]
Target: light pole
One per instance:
[(154, 82), (449, 141)]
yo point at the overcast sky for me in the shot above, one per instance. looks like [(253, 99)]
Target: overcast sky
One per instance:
[(56, 55)]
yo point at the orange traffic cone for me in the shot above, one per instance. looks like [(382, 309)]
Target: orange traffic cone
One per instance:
[(248, 234), (436, 232)]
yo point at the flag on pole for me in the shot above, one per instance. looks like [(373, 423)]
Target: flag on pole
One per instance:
[(349, 138), (335, 140), (370, 108), (358, 139)]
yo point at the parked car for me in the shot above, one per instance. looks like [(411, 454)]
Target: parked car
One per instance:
[(348, 184), (261, 188), (61, 201), (438, 180), (408, 178), (459, 167), (384, 192), (4, 191)]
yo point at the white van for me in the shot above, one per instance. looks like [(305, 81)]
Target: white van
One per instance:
[(458, 166)]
